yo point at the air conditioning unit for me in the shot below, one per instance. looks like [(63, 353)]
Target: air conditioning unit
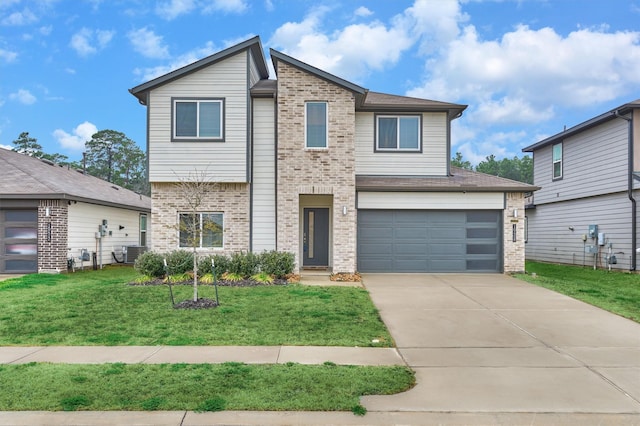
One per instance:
[(131, 253)]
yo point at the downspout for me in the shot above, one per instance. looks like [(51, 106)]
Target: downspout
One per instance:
[(630, 188)]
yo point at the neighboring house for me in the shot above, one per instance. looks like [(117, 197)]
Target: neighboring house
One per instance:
[(587, 178), (49, 213), (344, 178)]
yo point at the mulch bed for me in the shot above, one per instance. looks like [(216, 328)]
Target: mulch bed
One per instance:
[(201, 303), (222, 283)]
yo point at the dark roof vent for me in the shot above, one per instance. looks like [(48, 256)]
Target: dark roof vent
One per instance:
[(49, 162), (115, 187)]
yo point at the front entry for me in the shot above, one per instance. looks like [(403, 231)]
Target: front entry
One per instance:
[(315, 240)]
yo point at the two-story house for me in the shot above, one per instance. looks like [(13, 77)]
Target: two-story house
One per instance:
[(344, 178), (585, 213)]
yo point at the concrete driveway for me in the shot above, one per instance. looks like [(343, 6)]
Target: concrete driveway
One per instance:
[(491, 343)]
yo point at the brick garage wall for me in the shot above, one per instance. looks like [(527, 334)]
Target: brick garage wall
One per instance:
[(329, 172), (514, 251), (231, 199), (52, 245)]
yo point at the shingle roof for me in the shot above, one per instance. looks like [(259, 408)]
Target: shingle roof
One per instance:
[(383, 101), (25, 177), (460, 180)]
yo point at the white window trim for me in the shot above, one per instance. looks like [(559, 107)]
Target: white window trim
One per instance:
[(398, 117), (553, 162), (316, 148), (200, 247), (197, 101), (143, 231)]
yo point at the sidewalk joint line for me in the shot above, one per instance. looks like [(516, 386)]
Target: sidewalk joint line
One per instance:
[(29, 354), (158, 349)]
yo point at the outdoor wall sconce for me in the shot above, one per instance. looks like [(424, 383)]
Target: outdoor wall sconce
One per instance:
[(515, 212), (344, 210)]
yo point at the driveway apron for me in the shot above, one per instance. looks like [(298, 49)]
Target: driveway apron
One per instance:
[(492, 343)]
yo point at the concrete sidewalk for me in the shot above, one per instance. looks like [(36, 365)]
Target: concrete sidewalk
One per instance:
[(200, 354)]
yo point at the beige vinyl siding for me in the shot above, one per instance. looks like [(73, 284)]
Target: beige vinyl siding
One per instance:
[(551, 240), (224, 161), (84, 220), (594, 162), (432, 161), (264, 176), (431, 200)]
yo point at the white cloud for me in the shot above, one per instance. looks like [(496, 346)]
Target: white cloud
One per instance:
[(70, 71), (586, 67), (46, 30), (19, 18), (227, 6), (351, 52), (147, 74), (268, 5), (172, 9), (7, 55), (23, 96), (147, 43), (87, 41), (76, 140), (7, 147), (363, 12)]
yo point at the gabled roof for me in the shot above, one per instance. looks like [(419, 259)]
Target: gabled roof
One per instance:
[(253, 44), (460, 180), (25, 177), (610, 115)]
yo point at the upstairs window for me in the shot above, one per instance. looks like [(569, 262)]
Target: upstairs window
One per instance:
[(557, 161), (198, 119), (398, 133), (316, 125)]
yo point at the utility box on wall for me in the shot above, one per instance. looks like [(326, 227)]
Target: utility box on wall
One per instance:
[(593, 231)]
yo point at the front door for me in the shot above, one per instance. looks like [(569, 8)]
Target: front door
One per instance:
[(315, 240)]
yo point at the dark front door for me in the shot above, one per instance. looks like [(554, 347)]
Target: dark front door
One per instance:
[(315, 239)]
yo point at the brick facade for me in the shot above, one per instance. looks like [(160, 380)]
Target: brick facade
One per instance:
[(231, 199), (514, 251), (52, 235), (328, 171)]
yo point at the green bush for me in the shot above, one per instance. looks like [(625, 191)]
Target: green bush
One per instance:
[(277, 263), (244, 264), (179, 262), (150, 263), (221, 261)]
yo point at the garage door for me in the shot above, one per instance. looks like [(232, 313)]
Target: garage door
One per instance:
[(18, 241), (429, 241)]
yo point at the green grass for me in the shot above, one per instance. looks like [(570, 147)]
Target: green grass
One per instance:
[(199, 387), (616, 292), (99, 308)]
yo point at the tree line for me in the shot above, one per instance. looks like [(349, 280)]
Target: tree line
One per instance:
[(109, 155), (520, 169)]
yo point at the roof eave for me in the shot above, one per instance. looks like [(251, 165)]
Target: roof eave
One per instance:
[(68, 197), (586, 125)]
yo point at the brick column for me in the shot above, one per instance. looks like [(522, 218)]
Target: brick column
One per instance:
[(514, 251), (52, 235)]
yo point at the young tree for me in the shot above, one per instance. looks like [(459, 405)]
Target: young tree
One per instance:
[(112, 156), (194, 226)]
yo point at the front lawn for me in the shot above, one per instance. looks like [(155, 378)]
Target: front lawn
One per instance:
[(199, 387), (616, 292), (100, 308)]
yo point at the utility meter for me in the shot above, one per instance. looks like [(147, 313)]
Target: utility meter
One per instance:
[(593, 231)]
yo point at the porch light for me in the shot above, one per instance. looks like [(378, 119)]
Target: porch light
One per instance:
[(344, 210)]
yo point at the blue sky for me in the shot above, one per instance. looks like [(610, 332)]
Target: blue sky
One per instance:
[(526, 68)]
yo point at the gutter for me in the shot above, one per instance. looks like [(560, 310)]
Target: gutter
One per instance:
[(632, 267)]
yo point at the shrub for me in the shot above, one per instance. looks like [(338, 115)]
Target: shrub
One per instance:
[(150, 263), (263, 278), (277, 263), (221, 261), (179, 262), (243, 264)]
